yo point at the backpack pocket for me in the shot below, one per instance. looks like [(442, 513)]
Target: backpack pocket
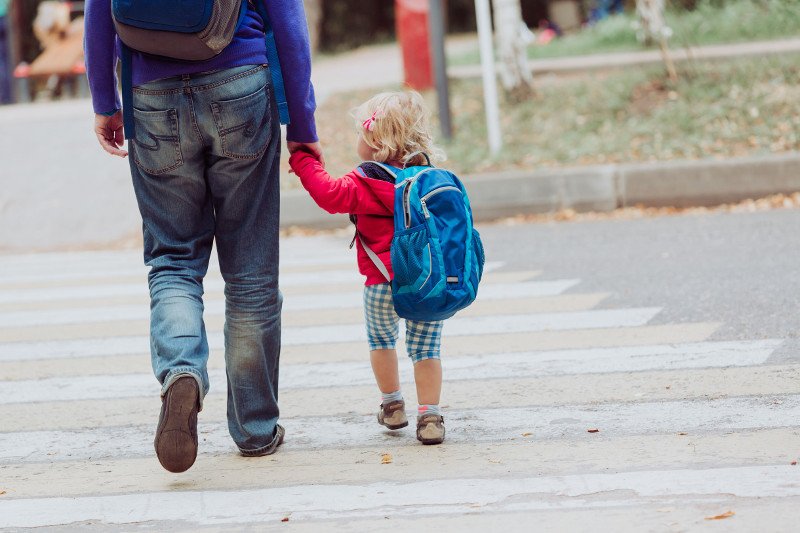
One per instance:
[(244, 124), (412, 260), (157, 146)]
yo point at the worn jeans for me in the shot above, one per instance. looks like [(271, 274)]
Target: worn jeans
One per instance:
[(205, 168), (5, 62)]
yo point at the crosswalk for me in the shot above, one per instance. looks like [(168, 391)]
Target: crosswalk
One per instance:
[(682, 423)]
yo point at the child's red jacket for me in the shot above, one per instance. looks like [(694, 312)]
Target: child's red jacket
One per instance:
[(371, 200)]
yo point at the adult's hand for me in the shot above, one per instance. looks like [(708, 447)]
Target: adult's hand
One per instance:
[(109, 133), (314, 149)]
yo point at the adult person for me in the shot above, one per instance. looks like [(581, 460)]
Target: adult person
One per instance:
[(204, 163), (5, 67)]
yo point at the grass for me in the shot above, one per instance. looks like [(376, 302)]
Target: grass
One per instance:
[(711, 22), (716, 109)]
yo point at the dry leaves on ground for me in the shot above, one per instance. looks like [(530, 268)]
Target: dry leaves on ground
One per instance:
[(593, 430), (386, 458), (775, 201), (722, 516)]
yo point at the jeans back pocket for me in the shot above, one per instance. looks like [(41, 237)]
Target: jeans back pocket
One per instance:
[(244, 124), (157, 146)]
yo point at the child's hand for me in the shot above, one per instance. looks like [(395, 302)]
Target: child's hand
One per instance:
[(315, 149)]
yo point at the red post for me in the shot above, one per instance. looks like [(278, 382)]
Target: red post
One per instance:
[(412, 32)]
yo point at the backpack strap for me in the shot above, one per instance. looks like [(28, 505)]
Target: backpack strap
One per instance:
[(274, 63), (383, 166), (373, 172), (127, 92), (375, 259)]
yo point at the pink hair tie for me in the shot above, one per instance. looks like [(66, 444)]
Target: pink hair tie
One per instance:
[(369, 124)]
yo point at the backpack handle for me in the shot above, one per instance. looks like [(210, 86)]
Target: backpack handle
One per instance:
[(409, 157)]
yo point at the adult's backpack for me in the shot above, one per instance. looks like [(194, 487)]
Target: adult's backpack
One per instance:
[(437, 255), (187, 30)]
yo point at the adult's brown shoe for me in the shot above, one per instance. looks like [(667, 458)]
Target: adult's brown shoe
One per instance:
[(176, 435)]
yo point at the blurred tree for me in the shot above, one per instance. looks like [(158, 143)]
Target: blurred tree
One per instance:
[(652, 28), (513, 38), (314, 18)]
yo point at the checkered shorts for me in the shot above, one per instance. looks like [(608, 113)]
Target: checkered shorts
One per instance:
[(423, 339)]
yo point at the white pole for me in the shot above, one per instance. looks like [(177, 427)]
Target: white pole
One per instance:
[(484, 17)]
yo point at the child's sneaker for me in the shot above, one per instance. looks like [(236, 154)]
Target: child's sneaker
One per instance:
[(430, 429), (393, 415)]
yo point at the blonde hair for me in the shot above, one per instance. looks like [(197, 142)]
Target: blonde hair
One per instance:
[(399, 128)]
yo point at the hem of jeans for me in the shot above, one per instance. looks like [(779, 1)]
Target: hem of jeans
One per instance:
[(177, 373), (260, 451), (422, 356)]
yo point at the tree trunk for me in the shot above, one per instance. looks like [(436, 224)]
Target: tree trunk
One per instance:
[(512, 37), (314, 17), (652, 28)]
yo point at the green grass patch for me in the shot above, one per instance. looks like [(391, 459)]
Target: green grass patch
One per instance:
[(716, 109), (711, 22)]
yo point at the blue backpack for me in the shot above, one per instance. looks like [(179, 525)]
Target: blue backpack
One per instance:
[(437, 256), (187, 30)]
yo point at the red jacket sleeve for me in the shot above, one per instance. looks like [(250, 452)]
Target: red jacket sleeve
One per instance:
[(346, 194)]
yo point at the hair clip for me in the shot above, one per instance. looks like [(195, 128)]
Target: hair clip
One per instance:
[(369, 124)]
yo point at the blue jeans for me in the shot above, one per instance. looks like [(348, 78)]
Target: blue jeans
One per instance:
[(205, 168), (5, 65)]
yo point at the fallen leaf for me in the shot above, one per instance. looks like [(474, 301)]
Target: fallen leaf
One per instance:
[(386, 458), (593, 430), (2, 492), (721, 516), (682, 433), (793, 463), (285, 519), (527, 434)]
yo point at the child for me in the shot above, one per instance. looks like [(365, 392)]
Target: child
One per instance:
[(393, 129)]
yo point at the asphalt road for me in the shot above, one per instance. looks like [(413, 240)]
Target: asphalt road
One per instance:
[(740, 269)]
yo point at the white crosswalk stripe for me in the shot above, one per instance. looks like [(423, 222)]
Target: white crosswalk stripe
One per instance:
[(614, 318), (450, 497), (490, 366), (563, 422), (522, 379)]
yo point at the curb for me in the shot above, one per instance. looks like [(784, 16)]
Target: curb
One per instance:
[(705, 182), (586, 63)]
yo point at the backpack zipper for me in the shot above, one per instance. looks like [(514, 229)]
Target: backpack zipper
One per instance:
[(434, 192), (406, 184), (407, 204)]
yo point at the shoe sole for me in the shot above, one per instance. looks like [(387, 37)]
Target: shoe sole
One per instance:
[(392, 426), (431, 440), (395, 426), (176, 447)]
